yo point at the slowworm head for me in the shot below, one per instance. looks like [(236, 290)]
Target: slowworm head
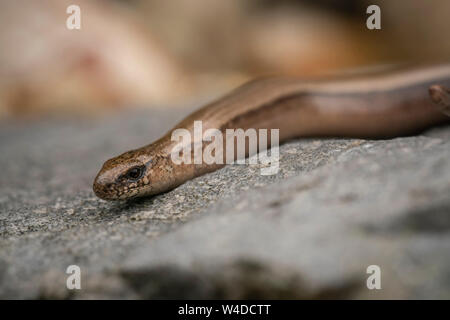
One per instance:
[(125, 176)]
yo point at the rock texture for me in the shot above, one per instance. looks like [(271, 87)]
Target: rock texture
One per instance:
[(336, 207)]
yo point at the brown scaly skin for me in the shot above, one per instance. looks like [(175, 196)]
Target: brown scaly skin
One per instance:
[(380, 105)]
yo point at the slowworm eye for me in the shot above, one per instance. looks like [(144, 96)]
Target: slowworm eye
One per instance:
[(134, 173)]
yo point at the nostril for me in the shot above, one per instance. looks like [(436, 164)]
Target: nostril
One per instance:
[(101, 180), (100, 184), (102, 190)]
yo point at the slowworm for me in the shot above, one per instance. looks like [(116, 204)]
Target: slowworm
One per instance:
[(378, 105)]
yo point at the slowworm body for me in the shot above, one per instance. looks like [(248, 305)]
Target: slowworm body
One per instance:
[(379, 105)]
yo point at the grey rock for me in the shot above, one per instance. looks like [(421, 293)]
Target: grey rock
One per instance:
[(336, 207)]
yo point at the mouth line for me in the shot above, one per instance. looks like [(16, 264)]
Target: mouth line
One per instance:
[(105, 193), (129, 190)]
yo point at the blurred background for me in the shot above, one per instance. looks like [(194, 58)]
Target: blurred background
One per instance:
[(136, 53)]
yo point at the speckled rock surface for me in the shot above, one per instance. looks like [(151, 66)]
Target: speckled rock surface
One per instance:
[(335, 207)]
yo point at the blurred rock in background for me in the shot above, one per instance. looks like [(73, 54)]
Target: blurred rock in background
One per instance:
[(143, 53), (110, 62)]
